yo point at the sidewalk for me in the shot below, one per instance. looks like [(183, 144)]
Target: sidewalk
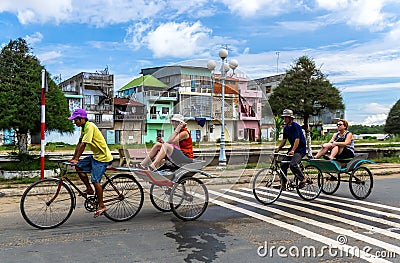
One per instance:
[(226, 177)]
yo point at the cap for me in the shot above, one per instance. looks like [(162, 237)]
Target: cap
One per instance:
[(177, 117), (287, 113), (78, 113)]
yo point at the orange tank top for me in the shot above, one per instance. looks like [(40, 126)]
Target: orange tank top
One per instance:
[(186, 145)]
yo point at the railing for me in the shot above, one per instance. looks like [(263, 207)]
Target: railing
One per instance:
[(133, 117), (98, 108)]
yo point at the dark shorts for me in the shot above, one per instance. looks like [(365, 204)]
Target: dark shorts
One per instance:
[(346, 154), (97, 168), (178, 158)]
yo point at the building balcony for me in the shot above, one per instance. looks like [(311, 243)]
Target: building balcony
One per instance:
[(129, 117), (161, 95), (98, 108)]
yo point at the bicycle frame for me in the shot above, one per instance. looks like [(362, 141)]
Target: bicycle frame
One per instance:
[(64, 172), (276, 165)]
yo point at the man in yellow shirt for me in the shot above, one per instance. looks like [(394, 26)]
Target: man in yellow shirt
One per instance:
[(96, 163)]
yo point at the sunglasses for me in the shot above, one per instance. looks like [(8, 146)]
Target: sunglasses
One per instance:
[(340, 124)]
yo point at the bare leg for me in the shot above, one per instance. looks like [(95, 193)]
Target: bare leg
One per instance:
[(153, 152), (99, 193), (321, 152), (335, 151), (85, 180), (166, 149), (326, 147)]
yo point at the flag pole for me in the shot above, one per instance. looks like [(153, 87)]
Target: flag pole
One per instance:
[(43, 124)]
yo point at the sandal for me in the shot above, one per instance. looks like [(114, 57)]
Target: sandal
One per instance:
[(99, 212)]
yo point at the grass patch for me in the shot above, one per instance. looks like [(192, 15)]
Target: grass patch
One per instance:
[(28, 162)]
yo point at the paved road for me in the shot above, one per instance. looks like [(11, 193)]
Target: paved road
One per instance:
[(235, 228)]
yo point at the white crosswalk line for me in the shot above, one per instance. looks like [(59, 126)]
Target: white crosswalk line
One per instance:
[(317, 237), (361, 202), (390, 215), (335, 209), (325, 215), (341, 231)]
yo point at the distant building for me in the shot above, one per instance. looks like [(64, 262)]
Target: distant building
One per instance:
[(129, 121), (93, 92), (158, 103)]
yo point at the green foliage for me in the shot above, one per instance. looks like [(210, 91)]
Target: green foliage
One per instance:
[(278, 126), (363, 129), (20, 95), (392, 122), (305, 90)]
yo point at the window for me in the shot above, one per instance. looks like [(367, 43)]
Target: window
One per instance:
[(165, 110), (153, 112), (117, 137), (96, 100), (98, 118), (87, 99)]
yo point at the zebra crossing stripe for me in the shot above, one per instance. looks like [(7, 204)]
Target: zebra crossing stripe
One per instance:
[(328, 216), (301, 231), (361, 202), (338, 210), (335, 229)]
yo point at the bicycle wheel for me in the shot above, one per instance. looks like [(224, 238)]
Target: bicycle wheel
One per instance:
[(361, 182), (331, 183), (267, 186), (47, 203), (312, 188), (159, 197), (189, 198), (128, 203)]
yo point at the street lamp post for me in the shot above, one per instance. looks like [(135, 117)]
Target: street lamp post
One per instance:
[(223, 54)]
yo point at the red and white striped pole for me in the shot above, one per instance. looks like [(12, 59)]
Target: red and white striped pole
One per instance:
[(43, 124)]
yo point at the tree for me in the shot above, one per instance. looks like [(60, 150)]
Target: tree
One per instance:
[(306, 91), (20, 95), (392, 121)]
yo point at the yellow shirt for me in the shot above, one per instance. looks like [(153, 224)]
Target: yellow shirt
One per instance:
[(91, 135)]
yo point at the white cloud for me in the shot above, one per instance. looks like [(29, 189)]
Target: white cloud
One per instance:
[(48, 57), (248, 8), (178, 39), (37, 11), (376, 108), (34, 38), (358, 13), (135, 34), (375, 119)]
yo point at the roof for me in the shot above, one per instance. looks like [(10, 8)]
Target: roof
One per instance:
[(147, 80), (126, 101)]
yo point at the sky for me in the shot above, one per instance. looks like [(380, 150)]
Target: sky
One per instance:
[(355, 43)]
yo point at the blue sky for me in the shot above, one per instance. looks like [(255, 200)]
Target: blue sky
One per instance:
[(354, 42)]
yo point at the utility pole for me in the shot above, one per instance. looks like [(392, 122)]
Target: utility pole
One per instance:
[(277, 61)]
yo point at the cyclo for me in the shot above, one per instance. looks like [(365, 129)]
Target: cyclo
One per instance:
[(360, 178), (267, 183), (48, 203)]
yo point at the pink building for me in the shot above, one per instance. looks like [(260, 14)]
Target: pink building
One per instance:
[(250, 96)]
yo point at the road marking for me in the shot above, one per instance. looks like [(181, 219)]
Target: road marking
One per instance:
[(317, 237), (335, 209), (365, 203), (339, 230), (328, 216)]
